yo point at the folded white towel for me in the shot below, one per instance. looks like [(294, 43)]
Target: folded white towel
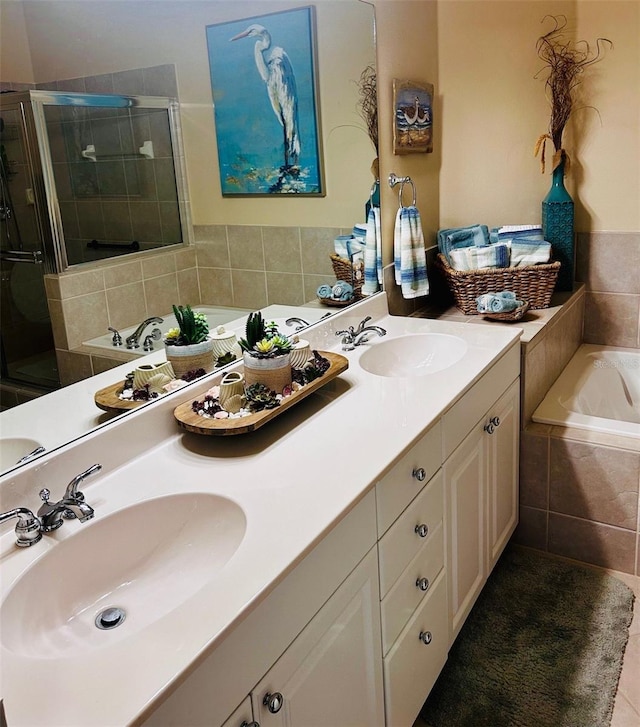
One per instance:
[(410, 257), (475, 258), (372, 254)]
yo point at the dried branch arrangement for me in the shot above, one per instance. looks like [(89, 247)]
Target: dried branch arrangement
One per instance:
[(368, 103), (564, 64)]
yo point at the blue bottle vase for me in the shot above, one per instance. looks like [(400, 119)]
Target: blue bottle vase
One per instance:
[(557, 227)]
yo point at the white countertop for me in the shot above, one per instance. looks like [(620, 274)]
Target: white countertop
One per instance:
[(294, 479)]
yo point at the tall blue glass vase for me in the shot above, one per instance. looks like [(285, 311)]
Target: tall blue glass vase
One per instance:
[(557, 227)]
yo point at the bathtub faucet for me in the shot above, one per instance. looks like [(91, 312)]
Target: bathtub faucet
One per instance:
[(133, 341)]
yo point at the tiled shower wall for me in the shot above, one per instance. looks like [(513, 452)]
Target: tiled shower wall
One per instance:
[(609, 264)]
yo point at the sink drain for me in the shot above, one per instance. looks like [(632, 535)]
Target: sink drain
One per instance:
[(110, 618)]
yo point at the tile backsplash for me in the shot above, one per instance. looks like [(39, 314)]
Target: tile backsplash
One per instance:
[(609, 264)]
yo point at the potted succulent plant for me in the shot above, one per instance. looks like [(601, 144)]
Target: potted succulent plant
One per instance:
[(189, 346), (266, 354)]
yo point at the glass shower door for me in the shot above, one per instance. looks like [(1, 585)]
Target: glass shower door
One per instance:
[(27, 351)]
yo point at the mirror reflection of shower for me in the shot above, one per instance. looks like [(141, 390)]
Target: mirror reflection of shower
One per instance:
[(82, 177), (28, 360)]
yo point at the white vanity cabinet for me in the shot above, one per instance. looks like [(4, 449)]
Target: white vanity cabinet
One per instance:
[(331, 674), (413, 589), (481, 483)]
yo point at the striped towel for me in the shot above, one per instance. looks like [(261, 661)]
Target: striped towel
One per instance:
[(457, 237), (409, 254), (372, 254), (474, 258), (529, 252)]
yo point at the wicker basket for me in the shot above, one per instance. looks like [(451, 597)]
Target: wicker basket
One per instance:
[(343, 269), (532, 283)]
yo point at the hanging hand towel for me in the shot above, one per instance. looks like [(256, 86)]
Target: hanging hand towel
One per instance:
[(410, 257), (372, 254)]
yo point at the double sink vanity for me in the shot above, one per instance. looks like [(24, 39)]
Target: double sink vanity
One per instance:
[(313, 572)]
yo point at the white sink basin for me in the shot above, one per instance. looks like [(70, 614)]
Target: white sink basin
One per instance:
[(146, 559), (413, 355), (14, 448)]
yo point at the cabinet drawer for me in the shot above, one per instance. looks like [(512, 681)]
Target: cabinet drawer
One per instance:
[(241, 716), (412, 666), (458, 421), (404, 480), (401, 542), (411, 588)]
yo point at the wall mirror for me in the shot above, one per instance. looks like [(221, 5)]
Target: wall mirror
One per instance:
[(138, 41)]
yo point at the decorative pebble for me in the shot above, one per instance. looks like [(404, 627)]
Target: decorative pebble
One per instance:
[(221, 415)]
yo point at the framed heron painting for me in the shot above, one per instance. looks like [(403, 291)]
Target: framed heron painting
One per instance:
[(264, 83), (413, 117)]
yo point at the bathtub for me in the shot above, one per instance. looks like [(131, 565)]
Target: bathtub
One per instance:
[(598, 390), (233, 319)]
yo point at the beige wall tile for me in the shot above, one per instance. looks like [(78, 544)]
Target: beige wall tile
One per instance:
[(602, 545), (317, 244), (210, 233), (103, 363), (534, 471), (282, 249), (58, 327), (246, 251), (126, 305), (215, 286), (612, 319), (536, 379), (249, 289), (188, 288), (285, 288), (161, 293), (52, 287), (213, 254), (73, 367), (157, 265), (532, 528), (186, 258), (85, 317), (72, 284), (595, 483), (129, 272), (609, 261)]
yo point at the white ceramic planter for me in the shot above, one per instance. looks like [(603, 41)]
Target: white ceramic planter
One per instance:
[(275, 373), (192, 357)]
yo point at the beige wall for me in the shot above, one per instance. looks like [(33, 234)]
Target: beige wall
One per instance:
[(71, 38), (495, 109), (15, 61)]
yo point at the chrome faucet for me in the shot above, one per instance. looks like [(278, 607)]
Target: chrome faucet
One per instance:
[(299, 323), (28, 528), (27, 457), (133, 341), (72, 504), (352, 337)]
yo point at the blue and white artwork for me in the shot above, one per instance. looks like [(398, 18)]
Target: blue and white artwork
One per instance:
[(264, 98), (413, 122)]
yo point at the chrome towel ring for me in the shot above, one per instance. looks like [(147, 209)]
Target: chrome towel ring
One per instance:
[(394, 180)]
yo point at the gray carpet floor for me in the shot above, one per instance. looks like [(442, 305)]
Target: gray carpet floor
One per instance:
[(543, 647)]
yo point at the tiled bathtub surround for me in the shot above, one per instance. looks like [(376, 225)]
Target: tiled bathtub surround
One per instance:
[(579, 495), (609, 264), (118, 293), (252, 266)]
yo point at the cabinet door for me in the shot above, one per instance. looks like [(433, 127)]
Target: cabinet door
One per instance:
[(502, 461), (465, 475), (242, 717), (332, 673)]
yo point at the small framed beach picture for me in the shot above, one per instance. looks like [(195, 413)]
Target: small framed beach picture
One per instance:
[(413, 117), (265, 100)]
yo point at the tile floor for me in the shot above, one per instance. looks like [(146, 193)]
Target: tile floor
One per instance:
[(626, 712)]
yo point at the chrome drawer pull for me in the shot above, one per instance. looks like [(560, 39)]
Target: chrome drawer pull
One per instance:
[(422, 530), (273, 702), (494, 422), (249, 724), (425, 637), (423, 584), (420, 474)]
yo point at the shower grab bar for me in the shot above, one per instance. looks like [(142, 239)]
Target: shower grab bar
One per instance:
[(34, 257), (95, 245)]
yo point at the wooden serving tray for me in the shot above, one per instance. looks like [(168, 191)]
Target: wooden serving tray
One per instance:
[(192, 422), (108, 399)]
